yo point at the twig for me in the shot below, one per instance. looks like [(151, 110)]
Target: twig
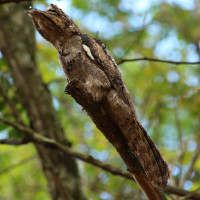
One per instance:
[(178, 157), (14, 141), (178, 125), (157, 60), (190, 194), (36, 137), (181, 192), (191, 166), (3, 171), (182, 144)]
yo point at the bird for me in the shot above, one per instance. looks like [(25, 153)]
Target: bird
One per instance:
[(102, 80)]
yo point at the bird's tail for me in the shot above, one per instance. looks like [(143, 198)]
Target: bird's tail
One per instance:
[(157, 171)]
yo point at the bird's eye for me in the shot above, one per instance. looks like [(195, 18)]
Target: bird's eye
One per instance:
[(52, 11)]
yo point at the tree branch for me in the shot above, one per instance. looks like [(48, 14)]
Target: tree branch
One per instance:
[(181, 192), (3, 171), (14, 141), (157, 60), (188, 196), (191, 166), (36, 137)]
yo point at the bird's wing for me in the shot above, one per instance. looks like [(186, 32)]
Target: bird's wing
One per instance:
[(106, 62), (140, 143)]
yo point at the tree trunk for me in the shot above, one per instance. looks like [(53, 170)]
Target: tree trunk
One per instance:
[(18, 49)]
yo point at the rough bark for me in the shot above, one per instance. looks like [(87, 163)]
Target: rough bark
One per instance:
[(18, 48), (96, 84)]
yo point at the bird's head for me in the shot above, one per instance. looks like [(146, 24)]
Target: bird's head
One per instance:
[(53, 23)]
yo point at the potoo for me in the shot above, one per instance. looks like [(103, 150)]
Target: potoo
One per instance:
[(90, 68)]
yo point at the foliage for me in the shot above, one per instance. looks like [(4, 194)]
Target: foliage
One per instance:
[(166, 96)]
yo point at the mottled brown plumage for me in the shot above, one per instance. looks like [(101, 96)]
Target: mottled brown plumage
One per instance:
[(103, 82)]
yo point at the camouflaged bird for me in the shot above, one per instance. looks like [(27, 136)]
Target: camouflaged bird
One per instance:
[(105, 76)]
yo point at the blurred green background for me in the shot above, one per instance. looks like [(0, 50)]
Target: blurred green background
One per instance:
[(166, 96)]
